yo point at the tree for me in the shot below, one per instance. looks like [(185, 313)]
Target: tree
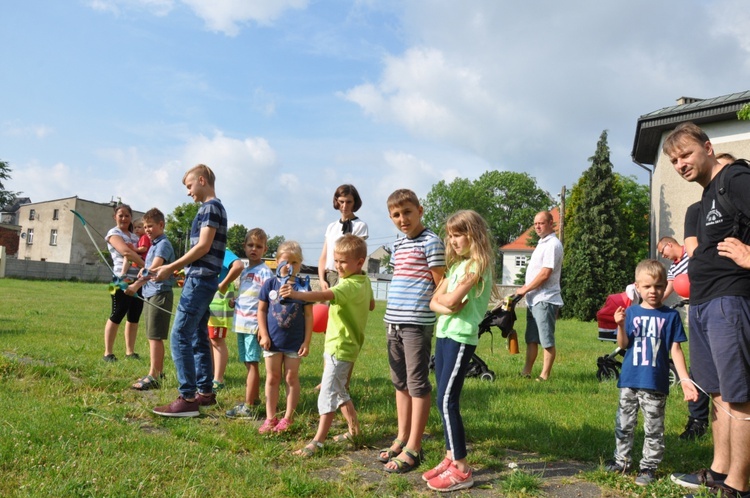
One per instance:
[(273, 245), (744, 113), (596, 261), (178, 226), (507, 200), (6, 197), (634, 218), (236, 239)]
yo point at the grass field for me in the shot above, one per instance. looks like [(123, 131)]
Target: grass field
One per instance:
[(70, 425)]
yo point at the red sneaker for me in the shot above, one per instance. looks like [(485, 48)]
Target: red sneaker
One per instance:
[(441, 467), (451, 479), (283, 425), (179, 408)]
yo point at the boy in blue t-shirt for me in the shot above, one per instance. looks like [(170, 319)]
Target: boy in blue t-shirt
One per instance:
[(158, 295), (191, 350), (648, 332)]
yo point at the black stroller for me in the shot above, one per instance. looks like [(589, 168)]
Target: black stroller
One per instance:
[(503, 317)]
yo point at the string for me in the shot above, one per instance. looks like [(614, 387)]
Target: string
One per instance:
[(719, 405)]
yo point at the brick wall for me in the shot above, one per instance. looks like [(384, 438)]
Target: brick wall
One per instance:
[(9, 238)]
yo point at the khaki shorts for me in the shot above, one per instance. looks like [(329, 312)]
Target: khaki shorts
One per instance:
[(157, 321), (409, 348)]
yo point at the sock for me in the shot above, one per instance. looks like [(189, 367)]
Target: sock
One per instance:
[(717, 476)]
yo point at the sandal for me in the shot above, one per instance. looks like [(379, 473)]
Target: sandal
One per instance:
[(146, 384), (309, 449), (391, 453), (347, 437), (402, 466)]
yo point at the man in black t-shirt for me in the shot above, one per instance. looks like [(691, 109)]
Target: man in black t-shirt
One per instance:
[(719, 316)]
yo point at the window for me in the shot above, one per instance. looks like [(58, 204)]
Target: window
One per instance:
[(32, 214), (53, 237), (521, 261), (30, 236), (56, 214)]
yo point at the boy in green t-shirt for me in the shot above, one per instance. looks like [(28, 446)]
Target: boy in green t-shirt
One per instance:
[(350, 300)]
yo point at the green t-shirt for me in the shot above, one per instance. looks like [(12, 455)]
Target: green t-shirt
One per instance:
[(463, 326), (347, 317)]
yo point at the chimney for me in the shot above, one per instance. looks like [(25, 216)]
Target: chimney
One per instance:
[(687, 100)]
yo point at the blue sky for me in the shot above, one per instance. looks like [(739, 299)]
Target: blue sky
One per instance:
[(287, 99)]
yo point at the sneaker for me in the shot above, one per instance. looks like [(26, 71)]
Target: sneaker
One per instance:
[(133, 356), (206, 399), (283, 425), (110, 358), (694, 429), (179, 408), (704, 477), (451, 479), (645, 477), (720, 490), (613, 466), (268, 425), (441, 467), (241, 411), (218, 386)]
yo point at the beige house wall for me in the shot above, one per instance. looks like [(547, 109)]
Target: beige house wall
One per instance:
[(73, 244), (671, 195)]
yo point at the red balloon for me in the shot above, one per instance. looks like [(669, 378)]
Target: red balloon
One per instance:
[(320, 317), (681, 285)]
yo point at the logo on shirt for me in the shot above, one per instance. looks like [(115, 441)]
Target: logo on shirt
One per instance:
[(714, 216)]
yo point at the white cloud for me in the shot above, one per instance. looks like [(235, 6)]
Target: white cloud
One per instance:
[(226, 16), (155, 7), (16, 130)]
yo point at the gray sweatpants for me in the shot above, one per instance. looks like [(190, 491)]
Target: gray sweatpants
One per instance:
[(652, 404)]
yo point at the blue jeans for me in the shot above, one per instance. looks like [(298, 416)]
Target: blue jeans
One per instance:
[(451, 362), (191, 349)]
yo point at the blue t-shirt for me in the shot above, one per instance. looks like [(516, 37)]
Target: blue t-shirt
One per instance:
[(210, 214), (229, 258), (286, 322), (160, 248), (651, 333)]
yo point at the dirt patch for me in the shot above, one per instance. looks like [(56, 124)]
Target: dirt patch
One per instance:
[(560, 479)]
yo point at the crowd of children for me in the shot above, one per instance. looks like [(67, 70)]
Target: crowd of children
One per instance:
[(438, 288)]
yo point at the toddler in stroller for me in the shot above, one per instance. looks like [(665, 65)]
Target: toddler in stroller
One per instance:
[(503, 317)]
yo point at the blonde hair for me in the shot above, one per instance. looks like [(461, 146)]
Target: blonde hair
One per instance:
[(653, 269), (680, 136), (289, 247), (481, 251), (351, 245), (201, 170)]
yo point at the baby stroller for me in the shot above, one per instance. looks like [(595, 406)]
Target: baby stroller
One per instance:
[(503, 317), (608, 366)]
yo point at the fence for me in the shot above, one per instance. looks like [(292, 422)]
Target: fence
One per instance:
[(45, 270)]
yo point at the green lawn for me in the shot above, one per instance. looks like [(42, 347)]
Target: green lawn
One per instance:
[(70, 425)]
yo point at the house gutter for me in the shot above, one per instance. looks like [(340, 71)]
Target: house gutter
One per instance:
[(651, 232)]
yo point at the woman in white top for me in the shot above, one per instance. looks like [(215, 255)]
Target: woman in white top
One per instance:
[(121, 243), (346, 200)]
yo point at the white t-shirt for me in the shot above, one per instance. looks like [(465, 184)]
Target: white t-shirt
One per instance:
[(548, 254), (334, 233)]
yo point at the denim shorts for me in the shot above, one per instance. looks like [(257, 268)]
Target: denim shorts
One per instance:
[(540, 324), (720, 347)]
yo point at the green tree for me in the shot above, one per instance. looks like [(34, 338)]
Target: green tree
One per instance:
[(178, 226), (744, 113), (634, 218), (236, 239), (273, 245), (6, 197), (594, 253), (507, 200)]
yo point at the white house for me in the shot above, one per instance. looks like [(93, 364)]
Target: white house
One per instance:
[(517, 253)]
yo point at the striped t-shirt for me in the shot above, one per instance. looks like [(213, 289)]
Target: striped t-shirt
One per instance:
[(210, 214), (678, 267), (412, 286)]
